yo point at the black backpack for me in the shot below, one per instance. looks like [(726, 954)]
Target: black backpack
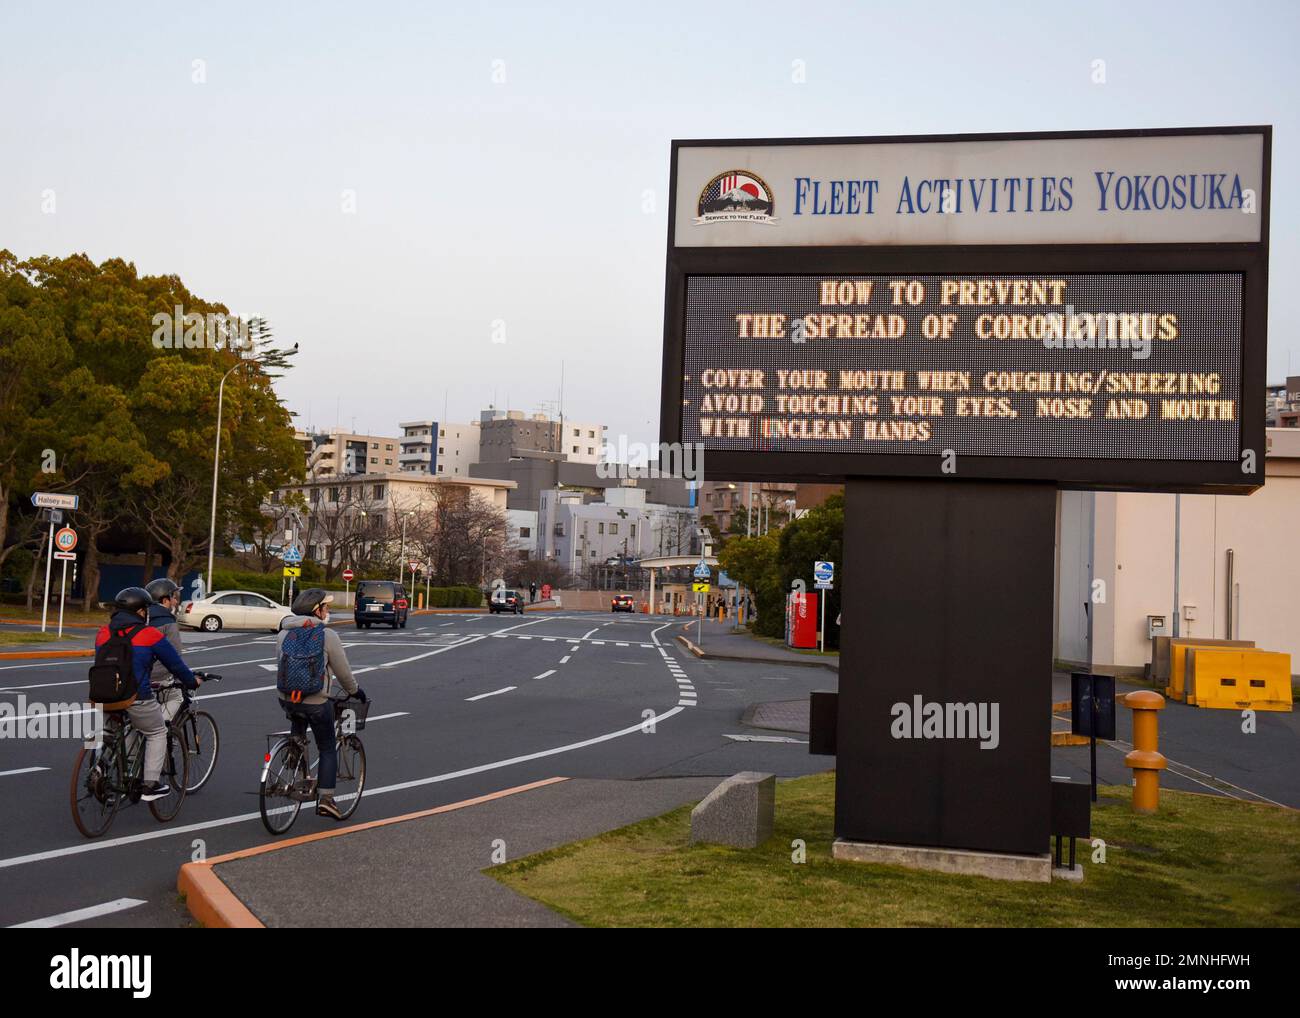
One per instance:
[(112, 676)]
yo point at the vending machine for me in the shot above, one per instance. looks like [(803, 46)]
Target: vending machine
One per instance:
[(801, 620)]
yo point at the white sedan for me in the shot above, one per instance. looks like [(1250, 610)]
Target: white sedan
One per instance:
[(233, 609)]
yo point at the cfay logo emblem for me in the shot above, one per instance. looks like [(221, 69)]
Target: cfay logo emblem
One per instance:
[(736, 196)]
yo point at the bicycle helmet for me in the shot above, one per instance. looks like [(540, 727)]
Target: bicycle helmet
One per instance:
[(309, 600), (161, 587), (132, 599)]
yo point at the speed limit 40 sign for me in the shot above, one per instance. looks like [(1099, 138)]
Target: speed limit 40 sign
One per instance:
[(65, 539)]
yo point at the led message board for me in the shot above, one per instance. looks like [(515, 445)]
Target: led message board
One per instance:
[(918, 313)]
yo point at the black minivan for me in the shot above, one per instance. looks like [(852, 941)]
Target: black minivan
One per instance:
[(380, 601)]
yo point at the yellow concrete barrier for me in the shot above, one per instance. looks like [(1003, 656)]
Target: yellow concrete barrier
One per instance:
[(1232, 679), (1177, 687)]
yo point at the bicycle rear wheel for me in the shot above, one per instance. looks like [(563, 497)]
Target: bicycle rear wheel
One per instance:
[(202, 744), (285, 774), (351, 780), (176, 773), (95, 799)]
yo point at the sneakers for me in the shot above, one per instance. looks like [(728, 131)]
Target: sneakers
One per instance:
[(326, 808), (152, 790)]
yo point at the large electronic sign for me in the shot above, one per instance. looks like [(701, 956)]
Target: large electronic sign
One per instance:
[(1087, 309)]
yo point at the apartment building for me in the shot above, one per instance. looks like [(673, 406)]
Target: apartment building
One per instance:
[(338, 452)]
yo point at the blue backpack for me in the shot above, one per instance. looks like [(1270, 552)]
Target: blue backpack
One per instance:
[(302, 663)]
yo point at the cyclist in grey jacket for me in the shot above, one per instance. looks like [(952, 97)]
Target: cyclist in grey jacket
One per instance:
[(311, 608), (162, 616)]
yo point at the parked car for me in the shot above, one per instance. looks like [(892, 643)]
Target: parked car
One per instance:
[(622, 603), (233, 609), (380, 601), (506, 601)]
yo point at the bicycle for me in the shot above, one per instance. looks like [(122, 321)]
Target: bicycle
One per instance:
[(108, 775), (287, 774), (199, 731)]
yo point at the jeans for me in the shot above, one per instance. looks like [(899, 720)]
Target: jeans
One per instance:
[(320, 717), (147, 719)]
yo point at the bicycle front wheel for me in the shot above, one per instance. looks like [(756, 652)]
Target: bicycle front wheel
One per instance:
[(202, 744), (351, 775), (280, 797), (95, 799), (176, 773)]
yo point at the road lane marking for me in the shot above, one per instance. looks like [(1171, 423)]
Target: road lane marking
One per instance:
[(573, 649), (597, 643), (80, 915), (564, 660), (495, 692), (440, 650), (544, 674), (766, 738), (167, 832), (588, 635), (23, 770)]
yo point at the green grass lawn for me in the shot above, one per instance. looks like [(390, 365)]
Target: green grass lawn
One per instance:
[(1201, 861), (22, 639)]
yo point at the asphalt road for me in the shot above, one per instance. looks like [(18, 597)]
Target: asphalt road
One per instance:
[(464, 705)]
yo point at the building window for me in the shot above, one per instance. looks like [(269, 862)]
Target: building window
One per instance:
[(388, 448), (442, 432), (575, 448), (374, 445), (633, 530), (593, 552), (440, 468), (334, 494), (388, 462), (442, 451), (525, 531), (576, 433), (591, 451), (613, 528), (315, 496), (379, 491), (374, 459), (600, 528), (591, 434)]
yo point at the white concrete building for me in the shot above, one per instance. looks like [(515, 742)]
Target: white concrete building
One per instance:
[(417, 442), (338, 452), (1239, 557), (522, 532), (580, 534), (456, 449)]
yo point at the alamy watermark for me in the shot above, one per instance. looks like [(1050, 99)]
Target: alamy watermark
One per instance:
[(33, 719), (179, 330), (1105, 330), (934, 720), (637, 460)]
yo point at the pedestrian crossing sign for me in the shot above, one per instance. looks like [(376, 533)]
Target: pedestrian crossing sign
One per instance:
[(292, 571)]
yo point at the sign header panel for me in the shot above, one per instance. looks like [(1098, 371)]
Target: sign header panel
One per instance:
[(1117, 188), (54, 500)]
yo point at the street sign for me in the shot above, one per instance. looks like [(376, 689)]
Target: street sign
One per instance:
[(54, 500), (53, 515), (347, 575), (699, 588), (65, 539), (65, 556), (292, 571), (702, 571), (824, 574), (415, 566), (292, 554)]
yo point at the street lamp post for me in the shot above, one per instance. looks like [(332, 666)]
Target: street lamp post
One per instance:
[(216, 460), (401, 565)]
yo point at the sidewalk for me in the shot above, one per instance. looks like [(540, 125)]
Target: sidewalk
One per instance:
[(722, 641), (421, 869)]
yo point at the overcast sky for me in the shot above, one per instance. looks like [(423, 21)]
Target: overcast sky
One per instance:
[(539, 202)]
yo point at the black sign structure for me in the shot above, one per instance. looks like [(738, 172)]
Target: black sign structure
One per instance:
[(956, 328), (1092, 705)]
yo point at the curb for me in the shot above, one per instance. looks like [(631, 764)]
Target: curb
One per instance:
[(216, 906), (33, 655), (754, 660)]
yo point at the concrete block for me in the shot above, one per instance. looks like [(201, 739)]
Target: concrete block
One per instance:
[(739, 812), (997, 865)]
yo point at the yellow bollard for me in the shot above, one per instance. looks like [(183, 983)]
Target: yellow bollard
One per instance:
[(1145, 760)]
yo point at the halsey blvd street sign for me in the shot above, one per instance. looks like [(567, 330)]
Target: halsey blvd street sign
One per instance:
[(54, 500)]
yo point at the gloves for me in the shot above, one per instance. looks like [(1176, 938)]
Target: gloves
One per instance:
[(360, 694)]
